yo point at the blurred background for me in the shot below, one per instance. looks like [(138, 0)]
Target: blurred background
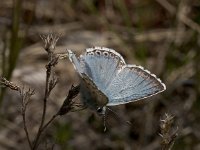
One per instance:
[(163, 36)]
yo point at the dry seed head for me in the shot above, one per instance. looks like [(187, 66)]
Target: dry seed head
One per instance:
[(50, 41)]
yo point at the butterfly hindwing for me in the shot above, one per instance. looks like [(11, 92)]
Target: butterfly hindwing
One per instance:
[(133, 83), (92, 96)]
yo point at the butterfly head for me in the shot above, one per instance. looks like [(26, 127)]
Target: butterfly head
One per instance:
[(101, 110)]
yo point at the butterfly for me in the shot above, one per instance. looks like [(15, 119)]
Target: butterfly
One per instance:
[(106, 80)]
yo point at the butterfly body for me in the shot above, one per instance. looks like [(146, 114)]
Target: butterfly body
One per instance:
[(106, 80)]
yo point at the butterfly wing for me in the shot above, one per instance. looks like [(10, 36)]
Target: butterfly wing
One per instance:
[(91, 95), (133, 83), (121, 83), (101, 65), (76, 62)]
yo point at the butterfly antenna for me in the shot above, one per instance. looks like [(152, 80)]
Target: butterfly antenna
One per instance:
[(118, 117), (104, 122), (104, 118)]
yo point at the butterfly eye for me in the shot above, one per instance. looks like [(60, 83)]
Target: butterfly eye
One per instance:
[(99, 110)]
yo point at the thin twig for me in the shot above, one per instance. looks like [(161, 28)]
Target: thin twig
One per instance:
[(25, 127), (47, 124), (25, 99)]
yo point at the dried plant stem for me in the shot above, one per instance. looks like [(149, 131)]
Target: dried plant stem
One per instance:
[(50, 43), (52, 61), (48, 123), (48, 74), (41, 131), (51, 81), (25, 99), (25, 127), (68, 105)]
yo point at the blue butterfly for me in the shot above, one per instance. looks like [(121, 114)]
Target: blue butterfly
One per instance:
[(107, 80)]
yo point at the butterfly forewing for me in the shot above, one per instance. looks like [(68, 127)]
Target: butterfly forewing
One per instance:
[(103, 64), (76, 62), (92, 96)]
